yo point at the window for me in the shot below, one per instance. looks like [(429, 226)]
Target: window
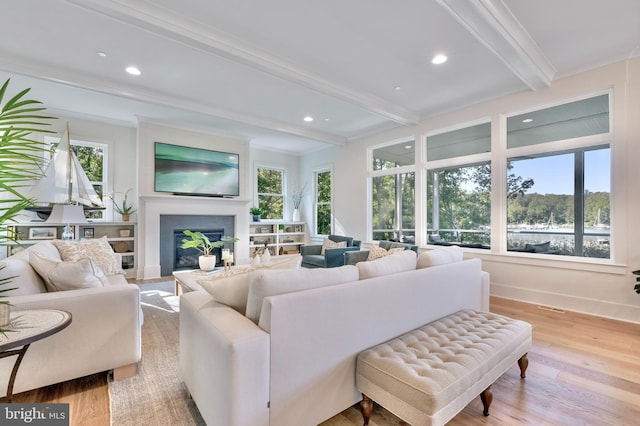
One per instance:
[(323, 202), (271, 192), (459, 186), (393, 192), (563, 206)]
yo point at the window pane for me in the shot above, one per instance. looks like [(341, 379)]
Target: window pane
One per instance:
[(572, 120), (457, 143), (541, 218), (323, 219), (273, 206), (384, 204), (324, 187), (389, 157), (459, 204), (270, 181), (323, 203)]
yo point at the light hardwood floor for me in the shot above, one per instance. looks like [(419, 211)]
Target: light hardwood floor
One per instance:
[(583, 370)]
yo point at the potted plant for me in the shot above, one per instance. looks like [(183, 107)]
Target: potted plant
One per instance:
[(202, 243), (22, 161), (125, 209), (256, 212)]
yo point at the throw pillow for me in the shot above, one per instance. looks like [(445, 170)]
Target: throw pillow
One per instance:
[(269, 282), (376, 252), (59, 275), (230, 287), (439, 256), (387, 265), (327, 243), (97, 249)]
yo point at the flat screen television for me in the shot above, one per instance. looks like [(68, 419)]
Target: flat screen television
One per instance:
[(184, 170)]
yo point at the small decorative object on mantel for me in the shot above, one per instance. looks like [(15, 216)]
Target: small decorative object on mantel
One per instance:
[(296, 199), (125, 209)]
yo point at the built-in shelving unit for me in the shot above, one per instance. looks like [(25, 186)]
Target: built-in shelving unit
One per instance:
[(279, 237), (120, 235)]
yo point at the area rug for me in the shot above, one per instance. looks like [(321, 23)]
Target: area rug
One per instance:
[(156, 395)]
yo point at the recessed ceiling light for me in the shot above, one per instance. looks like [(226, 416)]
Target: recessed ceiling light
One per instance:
[(326, 119), (308, 119), (101, 53), (397, 88), (133, 70), (408, 146), (439, 59), (527, 120)]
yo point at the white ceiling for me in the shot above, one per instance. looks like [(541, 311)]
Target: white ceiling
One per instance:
[(253, 69)]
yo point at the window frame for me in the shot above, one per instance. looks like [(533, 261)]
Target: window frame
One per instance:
[(283, 194)]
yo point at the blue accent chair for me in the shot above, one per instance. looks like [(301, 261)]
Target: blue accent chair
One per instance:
[(312, 256)]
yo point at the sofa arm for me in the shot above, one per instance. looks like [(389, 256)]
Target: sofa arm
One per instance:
[(353, 257), (334, 257), (105, 333), (224, 361), (311, 250)]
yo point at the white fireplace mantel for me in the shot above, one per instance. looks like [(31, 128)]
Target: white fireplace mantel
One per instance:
[(152, 206)]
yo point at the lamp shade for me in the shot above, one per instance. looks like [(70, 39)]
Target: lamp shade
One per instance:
[(66, 213)]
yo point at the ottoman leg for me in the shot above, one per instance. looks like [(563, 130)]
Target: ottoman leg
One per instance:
[(486, 397), (366, 407), (523, 363)]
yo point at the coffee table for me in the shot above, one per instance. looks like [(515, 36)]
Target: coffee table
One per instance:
[(186, 280), (26, 327)]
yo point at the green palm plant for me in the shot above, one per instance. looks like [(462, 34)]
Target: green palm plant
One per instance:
[(21, 157)]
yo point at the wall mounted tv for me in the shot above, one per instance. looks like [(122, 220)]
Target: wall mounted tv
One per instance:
[(184, 170)]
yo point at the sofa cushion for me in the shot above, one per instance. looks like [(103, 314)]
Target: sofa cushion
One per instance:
[(269, 282), (376, 252), (59, 275), (97, 249), (440, 256), (24, 279), (327, 243), (405, 260), (232, 287)]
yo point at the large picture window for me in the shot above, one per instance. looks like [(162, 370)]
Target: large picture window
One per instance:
[(393, 192)]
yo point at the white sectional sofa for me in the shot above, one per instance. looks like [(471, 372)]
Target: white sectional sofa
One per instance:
[(105, 332), (289, 359)]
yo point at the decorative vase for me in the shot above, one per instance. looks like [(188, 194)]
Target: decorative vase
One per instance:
[(266, 256), (207, 263), (5, 314), (296, 215), (125, 217)]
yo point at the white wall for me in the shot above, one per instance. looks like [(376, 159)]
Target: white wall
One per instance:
[(604, 289)]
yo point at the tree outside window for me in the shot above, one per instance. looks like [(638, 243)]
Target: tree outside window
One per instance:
[(323, 202), (271, 192)]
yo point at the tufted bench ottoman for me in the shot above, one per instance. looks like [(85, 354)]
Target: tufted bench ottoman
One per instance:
[(430, 374)]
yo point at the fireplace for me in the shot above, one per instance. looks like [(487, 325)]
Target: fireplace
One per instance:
[(172, 256), (188, 258)]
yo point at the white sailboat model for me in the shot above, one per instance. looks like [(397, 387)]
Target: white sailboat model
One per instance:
[(64, 183)]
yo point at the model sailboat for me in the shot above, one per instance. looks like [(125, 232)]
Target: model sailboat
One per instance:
[(64, 182)]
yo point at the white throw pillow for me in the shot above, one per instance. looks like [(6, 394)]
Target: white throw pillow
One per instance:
[(376, 252), (387, 265), (60, 275), (230, 287), (269, 282), (327, 243), (96, 249), (440, 256)]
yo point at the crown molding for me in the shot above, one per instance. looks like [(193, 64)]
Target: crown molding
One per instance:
[(493, 24), (77, 80), (178, 28)]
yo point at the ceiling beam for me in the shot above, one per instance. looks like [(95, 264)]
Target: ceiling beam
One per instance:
[(170, 25), (493, 24)]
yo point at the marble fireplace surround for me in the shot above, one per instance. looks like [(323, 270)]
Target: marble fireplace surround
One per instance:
[(152, 207)]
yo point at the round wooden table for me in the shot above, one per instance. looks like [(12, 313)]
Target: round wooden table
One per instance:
[(26, 327)]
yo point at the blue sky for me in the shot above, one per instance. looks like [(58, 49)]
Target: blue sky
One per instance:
[(554, 175)]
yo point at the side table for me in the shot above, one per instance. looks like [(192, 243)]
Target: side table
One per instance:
[(26, 327)]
